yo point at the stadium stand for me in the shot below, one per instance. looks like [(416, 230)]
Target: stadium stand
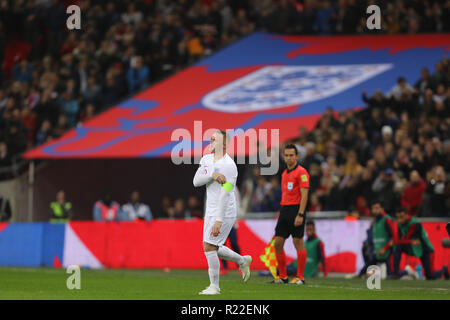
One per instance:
[(396, 149), (121, 69), (51, 80)]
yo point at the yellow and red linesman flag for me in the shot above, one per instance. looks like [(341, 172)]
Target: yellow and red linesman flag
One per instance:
[(269, 258)]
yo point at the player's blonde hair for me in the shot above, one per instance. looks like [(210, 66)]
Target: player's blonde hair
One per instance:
[(226, 137)]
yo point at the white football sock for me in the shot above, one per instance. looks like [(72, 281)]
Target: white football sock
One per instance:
[(226, 253), (213, 267)]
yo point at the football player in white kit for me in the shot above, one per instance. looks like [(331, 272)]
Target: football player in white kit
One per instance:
[(219, 173)]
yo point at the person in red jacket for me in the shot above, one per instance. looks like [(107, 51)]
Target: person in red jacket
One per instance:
[(413, 193)]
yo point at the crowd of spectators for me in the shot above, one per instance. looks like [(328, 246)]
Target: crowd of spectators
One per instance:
[(397, 149), (180, 208), (63, 78), (59, 78), (55, 79), (349, 16), (107, 209)]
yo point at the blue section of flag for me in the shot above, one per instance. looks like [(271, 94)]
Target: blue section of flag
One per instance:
[(21, 245), (52, 243), (31, 244), (249, 51), (138, 105)]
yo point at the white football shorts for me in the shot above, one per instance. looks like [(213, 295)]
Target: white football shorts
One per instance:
[(225, 229)]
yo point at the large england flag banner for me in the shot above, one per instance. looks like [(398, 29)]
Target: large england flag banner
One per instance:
[(263, 81)]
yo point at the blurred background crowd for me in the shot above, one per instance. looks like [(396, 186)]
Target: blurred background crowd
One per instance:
[(52, 79), (108, 209), (398, 148)]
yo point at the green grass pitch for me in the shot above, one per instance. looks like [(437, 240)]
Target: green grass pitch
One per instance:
[(48, 283)]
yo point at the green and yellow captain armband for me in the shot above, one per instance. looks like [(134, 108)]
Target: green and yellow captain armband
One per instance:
[(227, 186)]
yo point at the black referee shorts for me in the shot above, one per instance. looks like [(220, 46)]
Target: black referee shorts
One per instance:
[(285, 225)]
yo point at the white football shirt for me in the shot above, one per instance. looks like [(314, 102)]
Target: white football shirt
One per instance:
[(227, 167)]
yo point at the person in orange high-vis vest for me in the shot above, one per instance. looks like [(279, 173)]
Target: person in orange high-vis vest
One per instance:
[(107, 209)]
